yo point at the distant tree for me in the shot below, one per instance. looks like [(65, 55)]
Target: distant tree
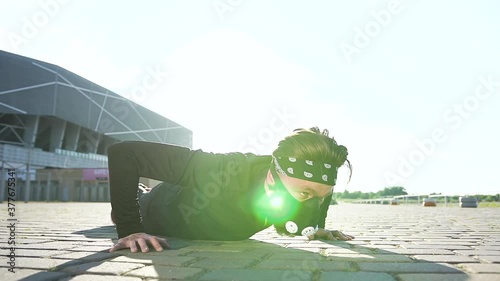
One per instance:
[(489, 198), (386, 192), (393, 191), (345, 194)]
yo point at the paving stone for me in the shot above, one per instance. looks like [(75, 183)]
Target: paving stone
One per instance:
[(308, 265), (340, 250), (478, 253), (39, 253), (91, 248), (480, 268), (358, 242), (408, 267), (434, 246), (268, 241), (448, 277), (446, 258), (87, 256), (44, 263), (256, 275), (335, 266), (311, 250), (422, 251), (226, 255), (82, 239), (489, 259), (112, 268), (362, 250), (369, 257), (291, 239), (296, 256), (90, 277), (382, 247), (56, 245), (255, 242), (386, 243), (107, 244), (452, 242), (218, 263), (356, 276), (220, 248), (329, 244), (30, 275), (31, 240), (165, 252), (165, 272), (487, 248), (156, 260)]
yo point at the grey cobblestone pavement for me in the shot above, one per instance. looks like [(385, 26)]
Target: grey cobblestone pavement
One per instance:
[(69, 241)]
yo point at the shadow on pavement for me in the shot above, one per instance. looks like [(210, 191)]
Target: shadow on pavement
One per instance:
[(107, 231), (260, 258)]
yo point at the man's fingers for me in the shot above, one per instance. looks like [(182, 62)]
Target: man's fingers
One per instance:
[(115, 248), (132, 246), (140, 242), (156, 244), (342, 236), (163, 242), (118, 246), (330, 236), (143, 245), (347, 237)]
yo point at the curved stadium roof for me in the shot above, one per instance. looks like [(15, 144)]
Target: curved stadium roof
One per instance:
[(33, 87)]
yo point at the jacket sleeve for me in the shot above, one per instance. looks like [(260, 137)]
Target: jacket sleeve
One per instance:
[(130, 160), (324, 211)]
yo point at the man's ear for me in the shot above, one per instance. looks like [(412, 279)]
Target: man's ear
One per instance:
[(269, 178)]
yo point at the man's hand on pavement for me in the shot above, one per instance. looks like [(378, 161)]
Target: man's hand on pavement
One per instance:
[(331, 235), (141, 239)]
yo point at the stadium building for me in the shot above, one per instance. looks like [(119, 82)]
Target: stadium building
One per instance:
[(56, 126)]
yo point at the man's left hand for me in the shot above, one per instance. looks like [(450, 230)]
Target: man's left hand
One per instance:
[(324, 234)]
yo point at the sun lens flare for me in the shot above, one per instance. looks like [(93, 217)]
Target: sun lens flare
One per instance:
[(277, 202), (274, 207)]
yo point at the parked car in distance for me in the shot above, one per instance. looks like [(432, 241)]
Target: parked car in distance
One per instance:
[(467, 202), (429, 202)]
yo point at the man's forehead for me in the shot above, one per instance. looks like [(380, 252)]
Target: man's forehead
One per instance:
[(316, 186), (328, 189), (305, 183)]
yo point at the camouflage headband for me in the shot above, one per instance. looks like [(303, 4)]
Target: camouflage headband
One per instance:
[(308, 170)]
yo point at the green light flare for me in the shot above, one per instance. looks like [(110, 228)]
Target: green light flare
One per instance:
[(276, 202)]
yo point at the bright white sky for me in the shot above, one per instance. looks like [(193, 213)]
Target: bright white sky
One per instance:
[(397, 82)]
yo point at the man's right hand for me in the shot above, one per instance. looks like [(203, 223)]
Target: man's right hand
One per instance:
[(143, 240)]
